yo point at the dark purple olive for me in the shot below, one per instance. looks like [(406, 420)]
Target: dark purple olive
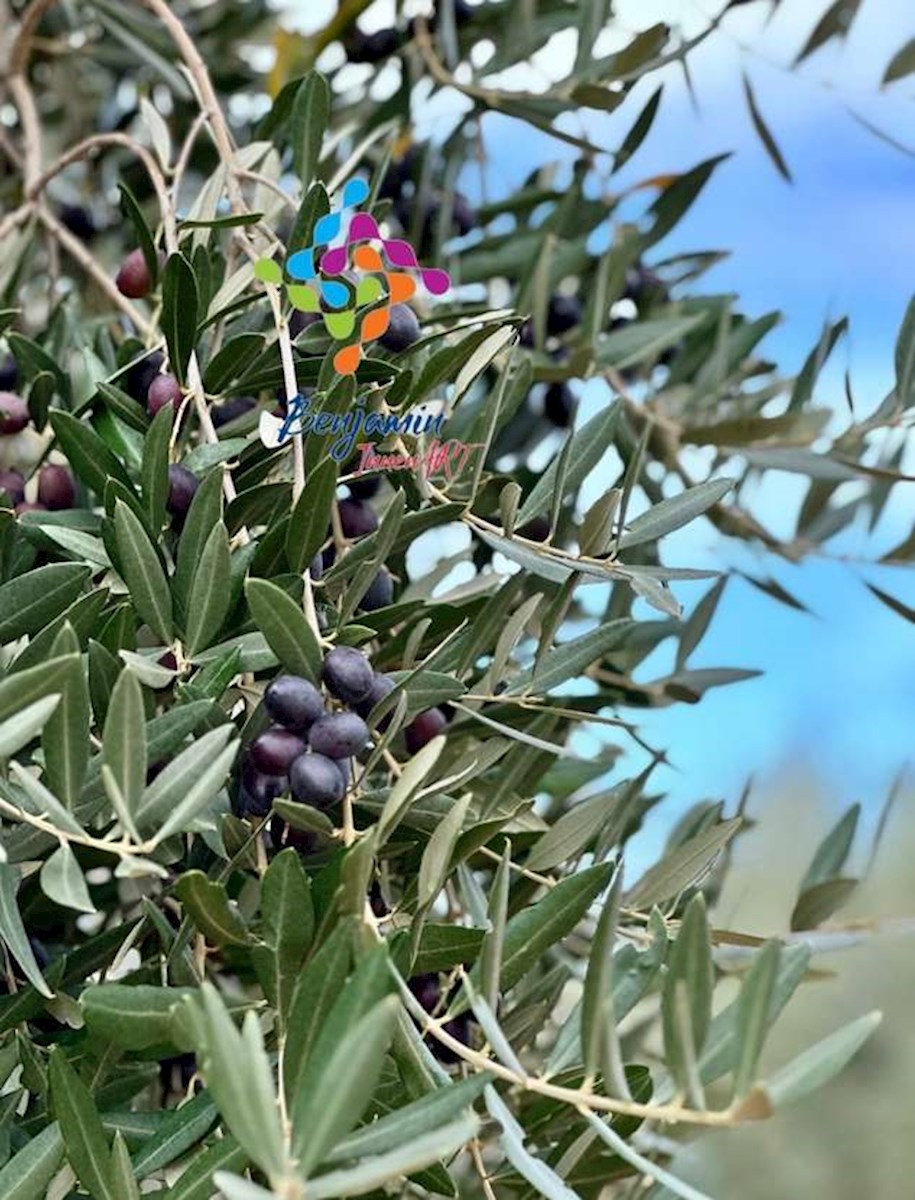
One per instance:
[(338, 735), (316, 569), (182, 485), (56, 487), (141, 375), (13, 483), (364, 487), (376, 900), (427, 990), (363, 47), (423, 728), (79, 220), (380, 592), (357, 518), (133, 279), (14, 413), (258, 791), (283, 835), (458, 1028), (382, 685), (347, 674), (345, 767), (231, 409), (316, 780), (9, 373), (536, 530), (29, 506), (403, 329), (559, 405), (399, 173), (294, 702), (563, 314), (275, 750), (300, 321), (164, 389)]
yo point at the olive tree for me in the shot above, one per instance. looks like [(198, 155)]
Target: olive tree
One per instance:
[(333, 564)]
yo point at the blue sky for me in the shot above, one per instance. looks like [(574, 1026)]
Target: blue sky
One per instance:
[(837, 692)]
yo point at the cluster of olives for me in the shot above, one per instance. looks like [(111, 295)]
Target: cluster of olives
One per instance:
[(308, 751), (56, 486)]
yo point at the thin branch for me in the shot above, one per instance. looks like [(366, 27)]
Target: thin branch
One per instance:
[(87, 147), (672, 1113), (621, 1147), (28, 23), (123, 849)]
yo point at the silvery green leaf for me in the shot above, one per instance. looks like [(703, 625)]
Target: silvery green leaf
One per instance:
[(411, 1156), (534, 1170), (645, 1166), (675, 512), (234, 1187), (331, 1104), (588, 446), (436, 859), (201, 792), (29, 1172), (495, 1035), (124, 742), (143, 572), (62, 880), (81, 545), (684, 867), (83, 1134), (183, 773), (753, 1007), (158, 132), (686, 1005), (36, 799), (497, 916), (429, 1112), (600, 1039), (406, 786), (148, 669), (482, 356), (13, 931), (238, 1074), (17, 731), (572, 658), (819, 1063), (122, 1176)]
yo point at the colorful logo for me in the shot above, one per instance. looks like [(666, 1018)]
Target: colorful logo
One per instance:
[(325, 277)]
